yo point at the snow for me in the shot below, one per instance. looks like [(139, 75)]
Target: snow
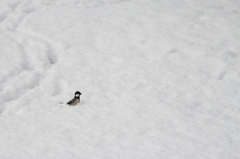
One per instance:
[(159, 79)]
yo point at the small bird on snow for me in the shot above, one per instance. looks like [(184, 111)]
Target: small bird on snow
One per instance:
[(75, 100)]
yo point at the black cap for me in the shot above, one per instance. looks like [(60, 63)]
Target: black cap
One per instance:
[(78, 93)]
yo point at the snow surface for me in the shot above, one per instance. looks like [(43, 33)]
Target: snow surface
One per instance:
[(160, 79)]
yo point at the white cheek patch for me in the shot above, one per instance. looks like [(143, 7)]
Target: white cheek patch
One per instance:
[(77, 95)]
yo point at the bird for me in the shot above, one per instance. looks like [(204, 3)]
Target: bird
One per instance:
[(75, 100)]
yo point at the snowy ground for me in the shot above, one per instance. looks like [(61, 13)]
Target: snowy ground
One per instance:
[(160, 79)]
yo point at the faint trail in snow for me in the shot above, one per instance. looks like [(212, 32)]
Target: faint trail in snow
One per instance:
[(38, 55), (15, 14), (85, 3), (45, 50), (19, 85), (14, 5), (3, 16)]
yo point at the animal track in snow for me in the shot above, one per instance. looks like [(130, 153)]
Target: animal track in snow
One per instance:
[(19, 85), (14, 14), (37, 55), (3, 16), (13, 6)]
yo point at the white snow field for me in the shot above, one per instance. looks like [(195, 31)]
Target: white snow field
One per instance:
[(160, 79)]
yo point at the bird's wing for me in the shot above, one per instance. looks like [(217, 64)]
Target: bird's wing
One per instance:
[(70, 101)]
